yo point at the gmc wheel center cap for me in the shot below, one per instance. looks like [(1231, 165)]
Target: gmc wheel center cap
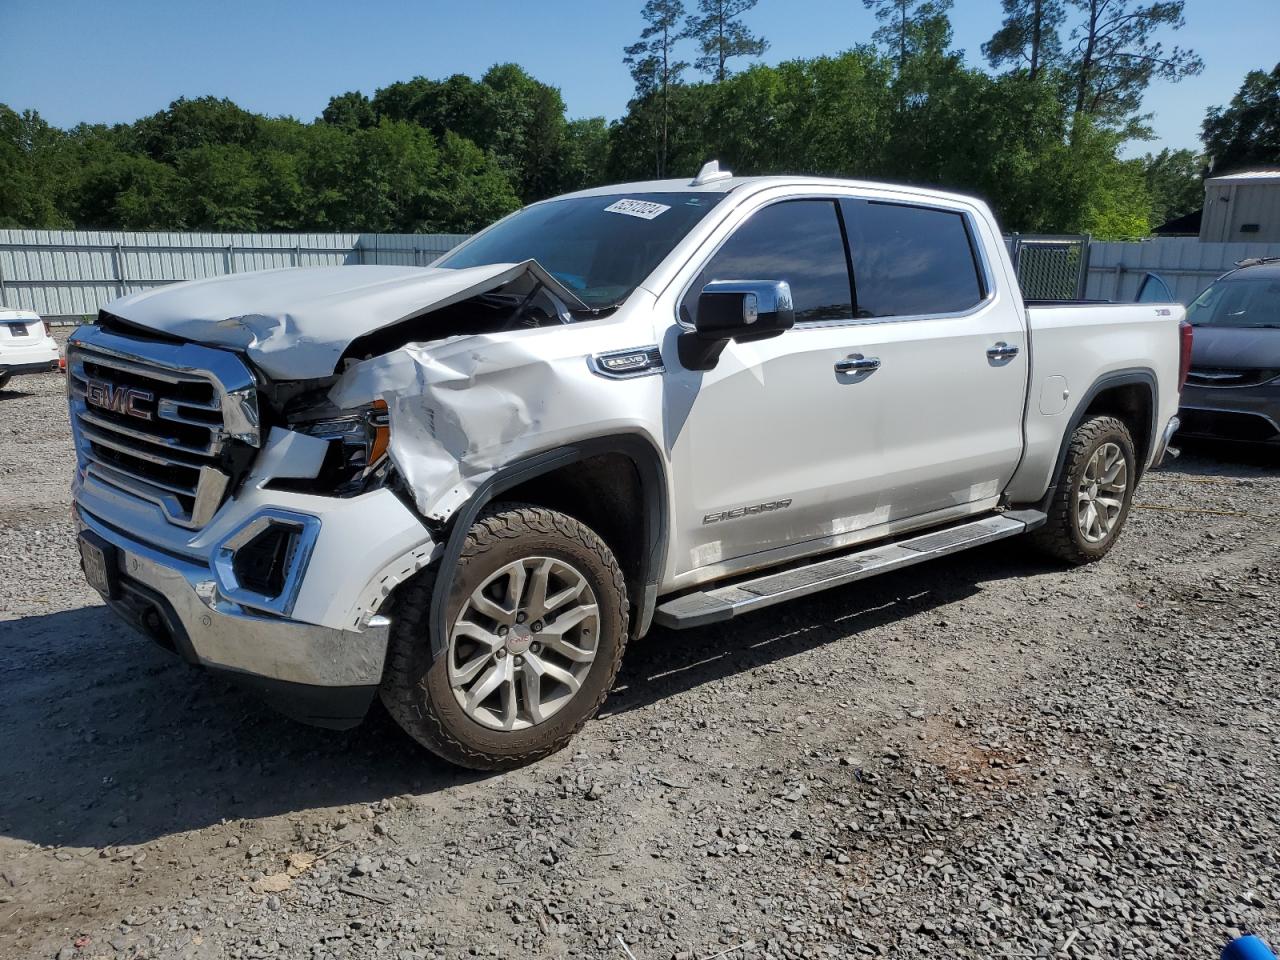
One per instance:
[(519, 638)]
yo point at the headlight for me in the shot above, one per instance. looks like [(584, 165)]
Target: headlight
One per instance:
[(357, 457)]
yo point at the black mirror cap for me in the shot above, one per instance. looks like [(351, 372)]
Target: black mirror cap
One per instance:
[(744, 310)]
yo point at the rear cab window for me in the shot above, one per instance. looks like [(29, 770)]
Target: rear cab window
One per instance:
[(911, 261)]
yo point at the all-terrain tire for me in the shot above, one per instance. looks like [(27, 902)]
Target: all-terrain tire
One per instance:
[(416, 687), (1061, 537)]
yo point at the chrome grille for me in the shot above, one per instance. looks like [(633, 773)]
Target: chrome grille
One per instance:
[(1222, 377), (174, 424)]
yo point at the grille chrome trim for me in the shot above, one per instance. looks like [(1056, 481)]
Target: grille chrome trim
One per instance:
[(182, 457), (93, 420), (1226, 378)]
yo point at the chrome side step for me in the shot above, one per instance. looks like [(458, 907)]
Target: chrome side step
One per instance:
[(725, 603)]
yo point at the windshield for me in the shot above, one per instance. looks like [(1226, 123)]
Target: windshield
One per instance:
[(601, 248), (1246, 302)]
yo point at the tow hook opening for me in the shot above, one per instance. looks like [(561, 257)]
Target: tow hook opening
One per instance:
[(154, 626)]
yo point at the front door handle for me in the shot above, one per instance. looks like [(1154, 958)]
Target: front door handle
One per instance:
[(857, 363), (1002, 351)]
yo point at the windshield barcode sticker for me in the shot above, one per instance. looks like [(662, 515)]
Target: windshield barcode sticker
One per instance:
[(643, 209)]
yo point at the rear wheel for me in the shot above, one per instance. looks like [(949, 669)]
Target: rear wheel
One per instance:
[(537, 620), (4, 379), (1093, 494)]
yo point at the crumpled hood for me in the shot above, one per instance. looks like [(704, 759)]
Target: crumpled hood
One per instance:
[(294, 324), (1236, 348)]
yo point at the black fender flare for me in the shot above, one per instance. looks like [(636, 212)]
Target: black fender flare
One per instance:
[(1130, 376), (653, 486)]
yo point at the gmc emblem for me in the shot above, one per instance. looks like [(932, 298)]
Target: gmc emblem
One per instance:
[(126, 400)]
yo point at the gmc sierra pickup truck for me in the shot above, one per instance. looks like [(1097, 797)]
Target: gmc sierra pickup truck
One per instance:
[(466, 487)]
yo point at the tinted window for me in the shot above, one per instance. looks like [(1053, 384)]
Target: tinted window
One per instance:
[(798, 241), (601, 248), (909, 261)]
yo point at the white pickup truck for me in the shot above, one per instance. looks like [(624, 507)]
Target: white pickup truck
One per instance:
[(467, 486)]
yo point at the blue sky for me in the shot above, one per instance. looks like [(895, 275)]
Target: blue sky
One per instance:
[(107, 62)]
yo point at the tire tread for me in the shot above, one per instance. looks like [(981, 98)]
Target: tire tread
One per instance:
[(400, 690), (1057, 537)]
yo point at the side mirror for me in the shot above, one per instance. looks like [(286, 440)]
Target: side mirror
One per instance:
[(743, 311)]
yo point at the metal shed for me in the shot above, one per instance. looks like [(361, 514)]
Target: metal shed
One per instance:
[(1242, 207)]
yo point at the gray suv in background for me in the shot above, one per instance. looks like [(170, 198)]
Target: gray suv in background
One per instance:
[(1233, 387)]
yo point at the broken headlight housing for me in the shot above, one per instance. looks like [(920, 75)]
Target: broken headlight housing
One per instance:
[(357, 456)]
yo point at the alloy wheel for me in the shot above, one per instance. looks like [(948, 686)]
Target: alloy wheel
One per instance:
[(1100, 496), (523, 643)]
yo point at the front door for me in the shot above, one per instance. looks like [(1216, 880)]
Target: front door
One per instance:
[(774, 445)]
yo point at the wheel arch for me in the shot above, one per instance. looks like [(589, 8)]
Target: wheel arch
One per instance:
[(1131, 395), (640, 545)]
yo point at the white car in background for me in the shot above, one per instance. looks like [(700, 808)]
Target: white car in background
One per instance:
[(25, 345)]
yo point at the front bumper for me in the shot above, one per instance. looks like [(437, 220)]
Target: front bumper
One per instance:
[(320, 662), (1242, 414)]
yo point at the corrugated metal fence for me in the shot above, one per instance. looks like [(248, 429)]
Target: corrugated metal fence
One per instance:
[(69, 274), (1187, 265)]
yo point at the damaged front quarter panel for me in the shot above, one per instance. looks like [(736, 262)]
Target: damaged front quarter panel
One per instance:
[(464, 407)]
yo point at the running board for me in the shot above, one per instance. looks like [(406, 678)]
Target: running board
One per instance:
[(725, 603)]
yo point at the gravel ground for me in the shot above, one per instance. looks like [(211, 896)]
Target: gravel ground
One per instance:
[(983, 757)]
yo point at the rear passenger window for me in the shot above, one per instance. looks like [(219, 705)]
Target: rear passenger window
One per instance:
[(909, 261), (798, 241)]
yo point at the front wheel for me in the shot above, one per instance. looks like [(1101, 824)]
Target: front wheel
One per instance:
[(537, 620), (1093, 493)]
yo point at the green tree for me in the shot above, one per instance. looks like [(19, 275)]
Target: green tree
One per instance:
[(351, 110), (1246, 133), (585, 155), (1029, 35), (123, 191), (327, 168), (721, 35), (395, 163), (220, 187), (654, 67), (909, 28), (1117, 55), (509, 113), (1173, 183), (187, 124), (26, 187), (469, 190), (527, 130)]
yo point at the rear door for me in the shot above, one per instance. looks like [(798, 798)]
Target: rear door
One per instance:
[(951, 383)]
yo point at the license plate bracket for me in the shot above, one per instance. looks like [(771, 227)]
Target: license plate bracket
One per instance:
[(99, 561)]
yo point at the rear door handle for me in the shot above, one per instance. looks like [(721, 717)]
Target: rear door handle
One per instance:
[(857, 363), (1002, 351)]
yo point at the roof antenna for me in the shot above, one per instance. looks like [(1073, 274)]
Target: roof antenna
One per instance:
[(710, 173)]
